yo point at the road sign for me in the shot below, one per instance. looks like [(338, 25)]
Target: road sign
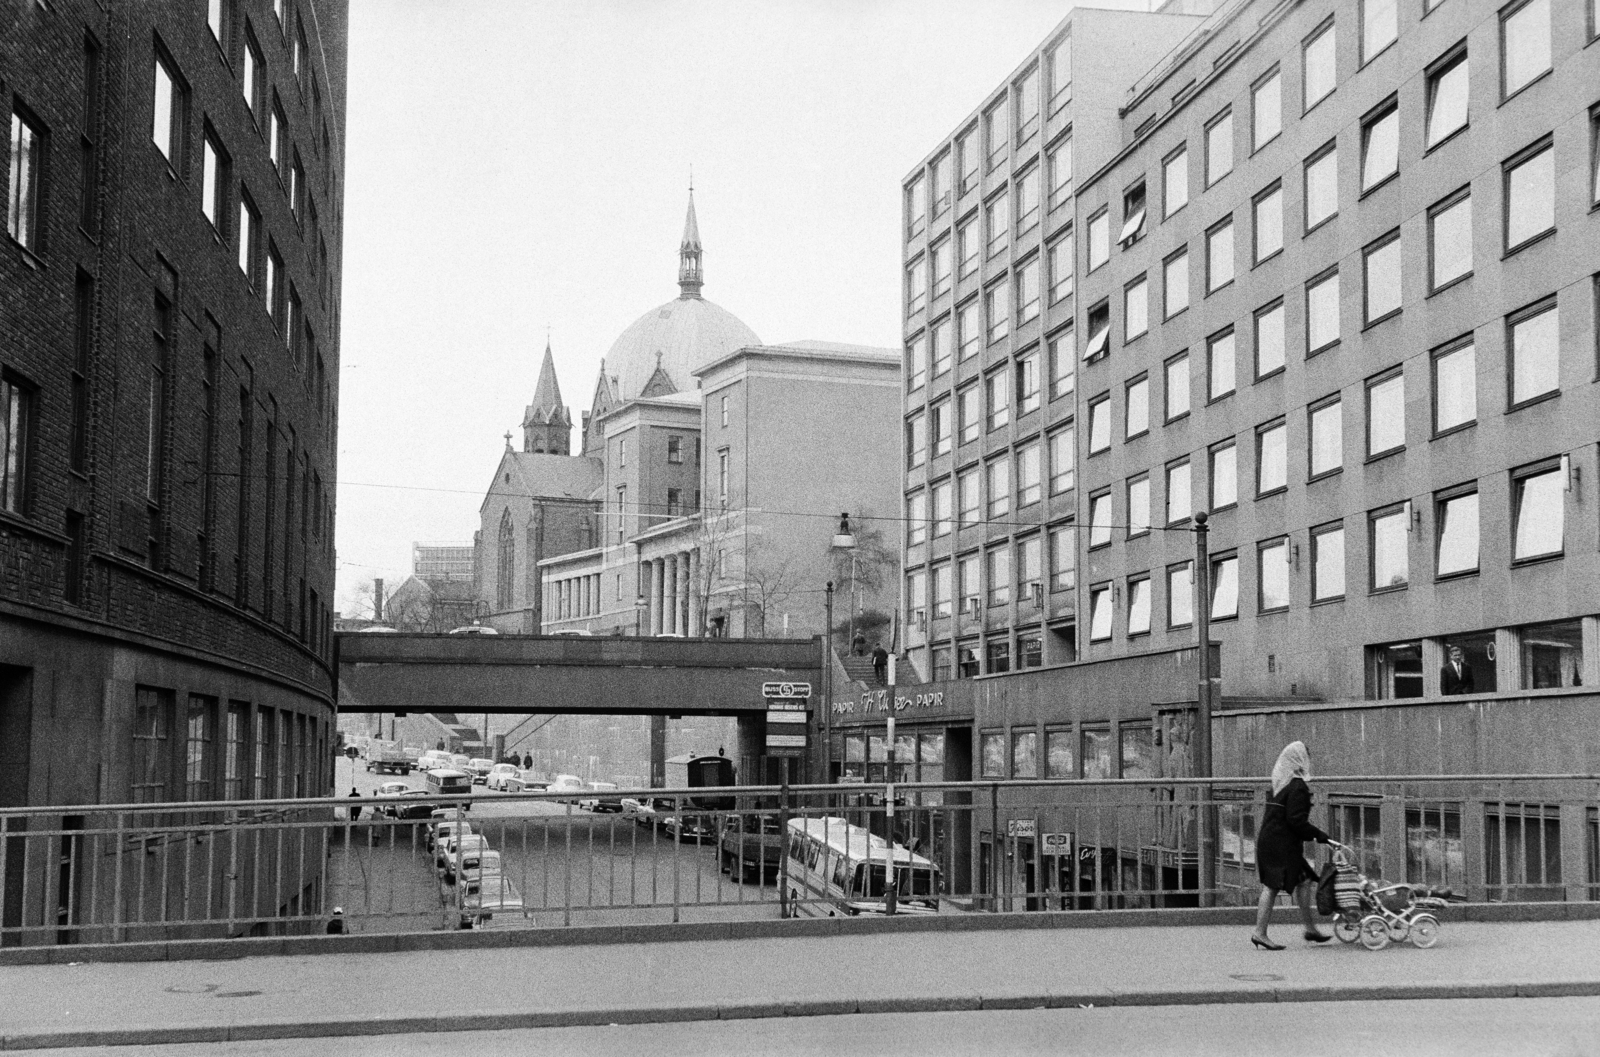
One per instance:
[(1056, 844), (786, 741), (785, 689), (785, 715)]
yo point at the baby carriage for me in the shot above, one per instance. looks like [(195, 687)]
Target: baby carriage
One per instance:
[(1377, 913)]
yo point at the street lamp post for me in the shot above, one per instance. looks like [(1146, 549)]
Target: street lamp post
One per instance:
[(1201, 741), (827, 684), (639, 603)]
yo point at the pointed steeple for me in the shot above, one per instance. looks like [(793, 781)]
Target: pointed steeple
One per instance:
[(547, 424), (690, 277)]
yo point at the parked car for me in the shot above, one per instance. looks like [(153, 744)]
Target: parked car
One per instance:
[(433, 758), (688, 828), (471, 864), (479, 768), (458, 761), (601, 803), (648, 810), (415, 807), (751, 844), (566, 783), (445, 828), (462, 845), (392, 789), (474, 629), (570, 633), (527, 783), (491, 901), (500, 774)]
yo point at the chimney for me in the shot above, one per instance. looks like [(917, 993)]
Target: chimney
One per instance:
[(377, 598)]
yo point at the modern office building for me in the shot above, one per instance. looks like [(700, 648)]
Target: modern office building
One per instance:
[(169, 283)]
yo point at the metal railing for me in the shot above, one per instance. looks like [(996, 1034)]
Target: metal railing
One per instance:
[(128, 872)]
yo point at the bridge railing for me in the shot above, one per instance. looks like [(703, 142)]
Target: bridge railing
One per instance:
[(126, 872)]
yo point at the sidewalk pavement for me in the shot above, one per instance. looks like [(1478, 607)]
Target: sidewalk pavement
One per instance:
[(794, 971)]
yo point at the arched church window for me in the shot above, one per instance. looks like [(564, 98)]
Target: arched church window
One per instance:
[(508, 562)]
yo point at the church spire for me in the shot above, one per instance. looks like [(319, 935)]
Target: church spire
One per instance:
[(547, 424), (690, 277)]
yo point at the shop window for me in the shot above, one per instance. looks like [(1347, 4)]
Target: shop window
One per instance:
[(1058, 754), (1522, 853), (1359, 827), (1137, 750), (1434, 853), (993, 750), (1552, 654), (1395, 670), (1096, 752), (1024, 754)]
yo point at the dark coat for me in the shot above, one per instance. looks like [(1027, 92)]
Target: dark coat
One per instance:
[(1450, 683), (1280, 862)]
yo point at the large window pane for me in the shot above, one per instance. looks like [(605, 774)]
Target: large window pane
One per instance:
[(1379, 26), (1273, 568), (1177, 393), (1450, 245), (1219, 256), (1175, 281), (1179, 504), (1327, 438), (1219, 149), (1099, 425), (1525, 43), (1535, 356), (1224, 588), (1267, 110), (1269, 341), (1272, 464), (1320, 72), (1100, 613), (1447, 99), (1322, 188), (1139, 506), (1180, 595), (1322, 312), (1386, 415), (1138, 419), (1138, 606), (1455, 388), (1221, 367), (1327, 564), (1224, 476), (1458, 534), (1390, 561), (1269, 224), (1541, 515), (1100, 520), (1383, 279), (1380, 148), (1552, 655), (1530, 198), (1175, 182)]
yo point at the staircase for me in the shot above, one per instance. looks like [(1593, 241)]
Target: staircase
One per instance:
[(859, 668)]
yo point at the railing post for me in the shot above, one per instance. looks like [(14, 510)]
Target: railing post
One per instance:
[(1202, 734), (783, 848), (995, 847)]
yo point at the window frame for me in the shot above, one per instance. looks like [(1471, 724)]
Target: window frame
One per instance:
[(1187, 569), (1384, 513), (1365, 7), (1181, 152), (1441, 524), (1307, 42), (1444, 205), (1373, 383), (1263, 431), (1167, 389), (1139, 282), (1379, 245), (1181, 253), (1137, 485), (17, 471), (1317, 282), (1225, 115), (1275, 305), (1451, 348), (1506, 14), (1317, 534), (1214, 580), (1184, 463), (1388, 109), (1141, 383), (1544, 145), (1212, 340), (1230, 444), (1520, 476), (1101, 496), (1329, 150), (1138, 587), (1333, 399), (1456, 56), (1274, 73), (27, 196), (1097, 406), (1275, 543), (1272, 190), (1212, 286), (1513, 320)]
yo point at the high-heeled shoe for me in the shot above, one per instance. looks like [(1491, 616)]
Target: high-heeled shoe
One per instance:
[(1266, 945), (1317, 937)]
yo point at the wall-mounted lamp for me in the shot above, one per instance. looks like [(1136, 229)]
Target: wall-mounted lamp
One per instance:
[(1570, 473), (1413, 516), (1294, 555)]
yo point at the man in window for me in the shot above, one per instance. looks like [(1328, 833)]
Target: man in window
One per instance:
[(1456, 676)]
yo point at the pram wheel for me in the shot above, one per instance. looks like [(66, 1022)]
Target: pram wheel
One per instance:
[(1347, 929), (1424, 930), (1374, 933)]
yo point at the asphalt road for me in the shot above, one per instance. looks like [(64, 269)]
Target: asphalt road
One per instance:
[(571, 866), (1515, 1027)]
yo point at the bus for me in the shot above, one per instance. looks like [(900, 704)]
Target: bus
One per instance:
[(836, 868), (443, 781), (693, 771)]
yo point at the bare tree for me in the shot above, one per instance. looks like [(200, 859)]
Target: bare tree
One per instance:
[(870, 572), (768, 581)]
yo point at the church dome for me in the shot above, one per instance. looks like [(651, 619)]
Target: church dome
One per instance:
[(685, 334)]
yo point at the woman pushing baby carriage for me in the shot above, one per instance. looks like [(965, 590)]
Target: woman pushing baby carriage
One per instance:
[(1285, 827)]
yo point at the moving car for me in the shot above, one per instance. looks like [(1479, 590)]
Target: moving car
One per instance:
[(500, 774), (413, 808), (479, 768), (566, 783), (751, 844), (647, 811), (433, 758), (392, 789), (602, 803)]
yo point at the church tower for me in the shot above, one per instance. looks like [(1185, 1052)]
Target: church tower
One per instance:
[(690, 278), (547, 424)]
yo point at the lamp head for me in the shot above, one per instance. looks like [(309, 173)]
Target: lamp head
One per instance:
[(844, 539)]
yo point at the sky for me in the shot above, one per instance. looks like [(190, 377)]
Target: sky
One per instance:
[(517, 172)]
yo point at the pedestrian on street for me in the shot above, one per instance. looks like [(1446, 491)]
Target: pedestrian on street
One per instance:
[(355, 809), (336, 923), (880, 663), (1285, 827), (527, 761)]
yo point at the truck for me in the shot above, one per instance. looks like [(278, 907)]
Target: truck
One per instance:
[(387, 757)]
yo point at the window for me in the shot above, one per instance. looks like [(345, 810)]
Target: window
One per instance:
[(940, 427), (1594, 150), (1099, 520), (1269, 340), (967, 496), (1450, 240), (22, 199), (994, 133), (1137, 419), (1096, 750), (275, 292), (724, 411), (1455, 387), (216, 11), (1063, 365), (1396, 670), (152, 722), (939, 267), (722, 477), (1177, 387), (916, 518), (1028, 200), (994, 753), (1327, 562), (1317, 59), (1135, 309), (1099, 631), (1179, 503), (998, 475), (1063, 460), (1266, 110), (939, 185), (674, 449), (1180, 595), (1220, 364), (939, 343), (1133, 212), (1272, 575), (1322, 312), (1447, 98), (1538, 496), (1099, 424), (941, 508), (1061, 252), (253, 83), (1390, 532), (997, 566), (199, 751), (212, 180), (969, 332), (1535, 353), (1456, 518), (1380, 145), (1058, 754), (996, 225), (967, 247), (1381, 277), (1386, 414), (167, 130), (1326, 426), (1028, 480), (969, 417), (1524, 45), (1267, 211), (1099, 239), (1099, 332), (967, 155), (1029, 587), (1059, 161), (916, 287), (1219, 147), (1530, 195), (1139, 606), (1224, 587), (916, 362), (1224, 475), (1024, 753), (16, 437), (1322, 187), (1380, 25), (1175, 181), (1552, 656), (916, 440), (1219, 256), (1028, 292), (1272, 458), (1063, 558), (674, 508), (916, 207), (997, 395), (1175, 283), (1028, 381), (1060, 62), (997, 310), (1138, 506)]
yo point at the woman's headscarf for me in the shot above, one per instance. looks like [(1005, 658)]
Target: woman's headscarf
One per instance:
[(1293, 762)]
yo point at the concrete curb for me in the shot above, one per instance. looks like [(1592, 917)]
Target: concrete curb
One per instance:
[(156, 1036), (585, 935)]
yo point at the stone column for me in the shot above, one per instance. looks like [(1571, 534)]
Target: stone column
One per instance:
[(658, 596), (670, 614), (695, 616)]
